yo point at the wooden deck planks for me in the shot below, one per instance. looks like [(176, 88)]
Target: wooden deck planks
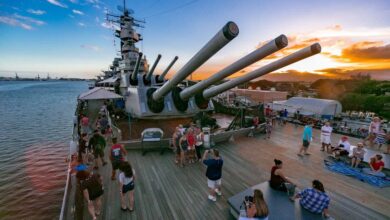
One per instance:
[(165, 191)]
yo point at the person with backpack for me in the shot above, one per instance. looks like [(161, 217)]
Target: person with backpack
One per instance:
[(126, 185), (116, 156), (92, 187), (97, 143)]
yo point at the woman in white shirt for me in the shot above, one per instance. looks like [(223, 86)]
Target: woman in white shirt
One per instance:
[(126, 185)]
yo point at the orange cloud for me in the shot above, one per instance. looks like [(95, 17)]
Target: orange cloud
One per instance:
[(367, 50)]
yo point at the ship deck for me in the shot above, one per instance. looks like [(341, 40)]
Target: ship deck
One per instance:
[(166, 191)]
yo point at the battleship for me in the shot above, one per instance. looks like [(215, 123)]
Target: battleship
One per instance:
[(163, 190)]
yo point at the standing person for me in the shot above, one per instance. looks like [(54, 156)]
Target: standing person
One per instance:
[(307, 137), (256, 121), (116, 157), (257, 208), (97, 143), (199, 143), (279, 181), (183, 144), (326, 131), (381, 138), (315, 199), (126, 185), (268, 129), (191, 145), (92, 188), (83, 147), (285, 115), (357, 155), (213, 173), (108, 133), (176, 145), (373, 130), (103, 123), (85, 124), (268, 112)]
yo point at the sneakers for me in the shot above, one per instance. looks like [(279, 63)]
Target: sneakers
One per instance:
[(219, 193), (212, 198)]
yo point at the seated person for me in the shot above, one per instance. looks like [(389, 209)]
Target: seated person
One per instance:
[(376, 166), (314, 199), (280, 182), (256, 207), (342, 148), (357, 155)]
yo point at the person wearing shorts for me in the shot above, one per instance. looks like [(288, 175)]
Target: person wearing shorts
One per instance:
[(213, 173), (357, 155), (116, 157), (97, 143), (126, 185), (306, 139), (326, 131), (176, 145), (92, 187), (183, 144)]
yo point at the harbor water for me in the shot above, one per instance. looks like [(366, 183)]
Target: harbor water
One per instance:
[(36, 120)]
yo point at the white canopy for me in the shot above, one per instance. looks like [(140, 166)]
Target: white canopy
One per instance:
[(109, 80), (321, 107), (98, 93)]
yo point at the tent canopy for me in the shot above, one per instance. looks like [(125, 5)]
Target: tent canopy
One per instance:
[(98, 93), (320, 107), (109, 80)]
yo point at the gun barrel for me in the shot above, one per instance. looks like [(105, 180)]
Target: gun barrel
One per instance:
[(224, 36), (267, 49), (285, 61), (161, 77), (150, 73), (136, 68)]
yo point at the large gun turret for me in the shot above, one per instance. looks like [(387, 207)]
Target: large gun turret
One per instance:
[(148, 76), (224, 36), (267, 49), (160, 78), (133, 78), (285, 61)]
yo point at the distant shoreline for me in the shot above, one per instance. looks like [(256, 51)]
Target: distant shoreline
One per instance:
[(42, 80)]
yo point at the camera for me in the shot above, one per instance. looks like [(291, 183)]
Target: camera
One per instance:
[(248, 199)]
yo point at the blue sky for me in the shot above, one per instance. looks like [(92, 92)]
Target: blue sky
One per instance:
[(67, 38)]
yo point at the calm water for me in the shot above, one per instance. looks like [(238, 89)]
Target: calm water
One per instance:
[(36, 121)]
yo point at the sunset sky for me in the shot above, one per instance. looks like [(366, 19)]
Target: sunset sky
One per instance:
[(70, 38)]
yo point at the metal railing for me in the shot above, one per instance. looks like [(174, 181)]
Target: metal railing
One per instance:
[(64, 205)]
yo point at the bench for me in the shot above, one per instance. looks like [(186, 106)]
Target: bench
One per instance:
[(280, 207)]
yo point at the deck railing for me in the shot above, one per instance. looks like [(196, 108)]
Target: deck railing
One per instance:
[(64, 205)]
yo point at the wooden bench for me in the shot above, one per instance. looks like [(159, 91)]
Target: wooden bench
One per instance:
[(280, 207)]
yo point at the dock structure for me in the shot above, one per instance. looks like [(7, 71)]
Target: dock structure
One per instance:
[(164, 190)]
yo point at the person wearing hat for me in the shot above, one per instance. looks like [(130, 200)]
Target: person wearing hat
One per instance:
[(342, 148)]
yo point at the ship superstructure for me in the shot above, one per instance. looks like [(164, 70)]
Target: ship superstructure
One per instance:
[(150, 96)]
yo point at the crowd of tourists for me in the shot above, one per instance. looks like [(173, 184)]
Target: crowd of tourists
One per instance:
[(93, 140), (187, 144)]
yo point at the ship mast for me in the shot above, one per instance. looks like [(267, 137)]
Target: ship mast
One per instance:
[(128, 38)]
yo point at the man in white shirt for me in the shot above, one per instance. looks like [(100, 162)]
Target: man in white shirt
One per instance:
[(326, 131)]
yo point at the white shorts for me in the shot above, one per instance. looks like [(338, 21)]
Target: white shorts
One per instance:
[(213, 183), (325, 139)]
